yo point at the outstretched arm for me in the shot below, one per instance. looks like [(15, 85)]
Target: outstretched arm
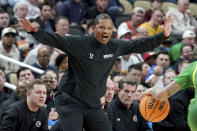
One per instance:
[(147, 43), (64, 43), (185, 79)]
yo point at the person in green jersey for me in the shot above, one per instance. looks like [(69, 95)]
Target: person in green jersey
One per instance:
[(187, 78)]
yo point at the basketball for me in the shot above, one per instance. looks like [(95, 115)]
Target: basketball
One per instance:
[(154, 110)]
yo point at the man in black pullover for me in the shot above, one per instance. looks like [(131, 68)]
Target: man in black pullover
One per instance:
[(90, 61), (27, 114)]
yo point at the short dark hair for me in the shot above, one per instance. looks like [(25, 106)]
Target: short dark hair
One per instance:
[(184, 46), (2, 11), (162, 52), (135, 66), (59, 59), (22, 69), (126, 81), (101, 16), (30, 86), (46, 4), (59, 18)]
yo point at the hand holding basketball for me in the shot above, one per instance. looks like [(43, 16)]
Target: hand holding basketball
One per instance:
[(152, 109)]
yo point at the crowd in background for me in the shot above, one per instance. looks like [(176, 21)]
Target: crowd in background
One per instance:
[(131, 74)]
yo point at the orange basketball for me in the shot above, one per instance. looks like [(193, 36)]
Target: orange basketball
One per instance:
[(154, 110)]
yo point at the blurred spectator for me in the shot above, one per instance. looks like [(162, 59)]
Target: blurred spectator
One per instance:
[(129, 59), (124, 33), (141, 32), (145, 69), (109, 95), (137, 17), (74, 10), (168, 76), (124, 112), (186, 54), (162, 60), (135, 73), (89, 28), (31, 58), (116, 68), (188, 37), (62, 62), (54, 76), (3, 95), (181, 20), (140, 89), (34, 11), (4, 20), (9, 49), (153, 26), (115, 8), (99, 7), (116, 80), (25, 74), (27, 114), (62, 25), (182, 65), (43, 58), (48, 81), (46, 19), (20, 9), (20, 94), (155, 4)]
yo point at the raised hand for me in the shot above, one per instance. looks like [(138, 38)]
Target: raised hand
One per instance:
[(167, 26), (26, 24)]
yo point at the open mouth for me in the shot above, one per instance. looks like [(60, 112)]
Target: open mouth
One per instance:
[(105, 37)]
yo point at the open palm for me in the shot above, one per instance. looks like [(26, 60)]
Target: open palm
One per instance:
[(167, 26)]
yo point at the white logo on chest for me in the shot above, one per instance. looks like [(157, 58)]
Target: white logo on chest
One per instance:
[(108, 56), (118, 119), (91, 55), (135, 118)]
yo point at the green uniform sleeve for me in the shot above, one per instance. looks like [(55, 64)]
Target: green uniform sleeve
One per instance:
[(185, 78)]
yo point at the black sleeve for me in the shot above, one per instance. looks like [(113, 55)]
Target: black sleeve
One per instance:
[(65, 43), (10, 120), (45, 119), (140, 45), (178, 116)]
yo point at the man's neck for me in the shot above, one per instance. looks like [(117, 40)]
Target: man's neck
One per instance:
[(180, 10), (134, 26), (44, 20), (31, 107)]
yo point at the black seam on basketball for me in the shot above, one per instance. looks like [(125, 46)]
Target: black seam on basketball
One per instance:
[(162, 112), (145, 107), (153, 111)]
